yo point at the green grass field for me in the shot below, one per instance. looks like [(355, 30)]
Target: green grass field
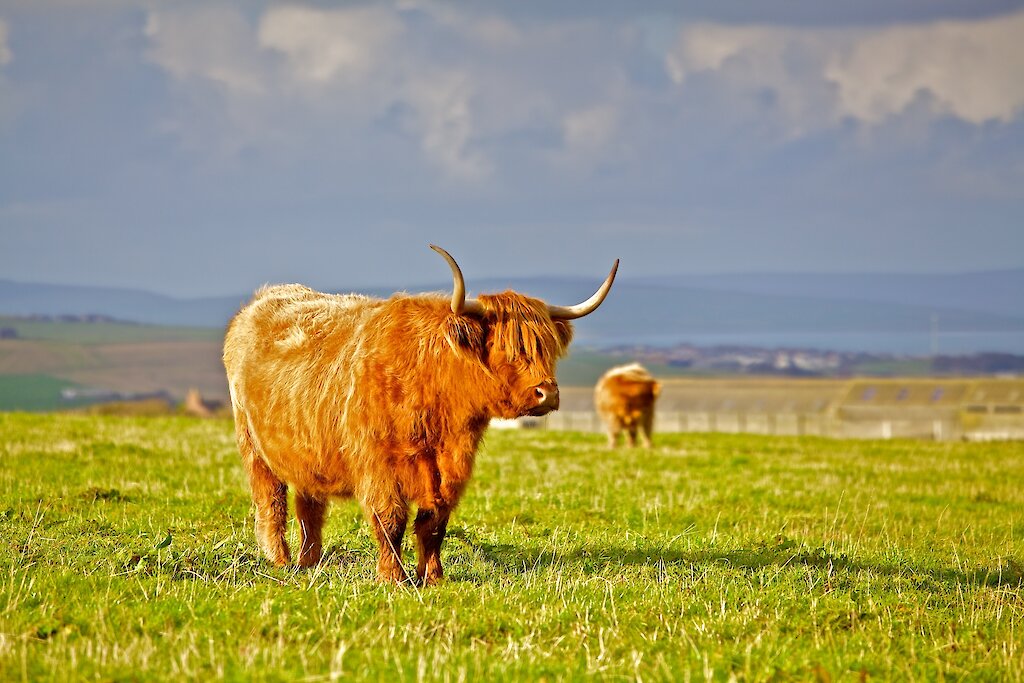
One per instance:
[(32, 392), (127, 554)]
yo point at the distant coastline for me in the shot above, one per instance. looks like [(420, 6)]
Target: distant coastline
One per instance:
[(916, 344)]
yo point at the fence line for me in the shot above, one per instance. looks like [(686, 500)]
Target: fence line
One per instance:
[(794, 424)]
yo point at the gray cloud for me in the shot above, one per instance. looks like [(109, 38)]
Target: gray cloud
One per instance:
[(457, 79), (212, 42), (356, 64), (367, 65), (743, 12), (972, 69), (969, 69), (323, 46)]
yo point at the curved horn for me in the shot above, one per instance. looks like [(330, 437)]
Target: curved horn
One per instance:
[(459, 303), (588, 306)]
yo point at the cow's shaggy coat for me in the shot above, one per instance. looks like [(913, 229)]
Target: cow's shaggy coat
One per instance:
[(382, 400), (625, 398)]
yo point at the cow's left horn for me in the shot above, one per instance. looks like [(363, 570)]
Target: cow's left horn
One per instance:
[(588, 306), (459, 303)]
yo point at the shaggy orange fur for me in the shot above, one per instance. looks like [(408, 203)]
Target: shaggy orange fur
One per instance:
[(625, 398), (382, 400)]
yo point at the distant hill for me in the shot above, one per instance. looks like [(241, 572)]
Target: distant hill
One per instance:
[(998, 292), (18, 298), (793, 310)]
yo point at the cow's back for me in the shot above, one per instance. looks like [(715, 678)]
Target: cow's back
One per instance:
[(290, 329), (626, 393), (291, 358)]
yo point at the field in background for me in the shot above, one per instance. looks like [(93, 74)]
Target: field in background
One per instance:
[(47, 357), (128, 553)]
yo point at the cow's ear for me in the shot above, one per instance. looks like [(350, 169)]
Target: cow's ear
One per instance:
[(563, 328), (464, 332)]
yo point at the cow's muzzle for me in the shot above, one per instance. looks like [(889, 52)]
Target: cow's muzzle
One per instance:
[(546, 397)]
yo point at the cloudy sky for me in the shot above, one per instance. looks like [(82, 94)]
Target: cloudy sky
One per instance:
[(207, 147)]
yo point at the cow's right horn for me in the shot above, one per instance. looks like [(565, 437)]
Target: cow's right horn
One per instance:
[(588, 306), (459, 303)]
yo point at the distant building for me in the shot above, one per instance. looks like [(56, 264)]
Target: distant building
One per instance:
[(196, 405)]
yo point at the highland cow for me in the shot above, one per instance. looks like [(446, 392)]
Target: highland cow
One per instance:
[(385, 401), (625, 398)]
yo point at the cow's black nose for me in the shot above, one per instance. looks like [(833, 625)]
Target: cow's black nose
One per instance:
[(547, 396)]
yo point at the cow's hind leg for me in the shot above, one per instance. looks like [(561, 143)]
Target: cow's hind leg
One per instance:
[(270, 496), (310, 512), (613, 435), (430, 526)]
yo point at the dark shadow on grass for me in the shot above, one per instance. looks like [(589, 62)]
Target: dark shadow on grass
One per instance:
[(95, 494), (339, 556), (230, 566), (514, 559)]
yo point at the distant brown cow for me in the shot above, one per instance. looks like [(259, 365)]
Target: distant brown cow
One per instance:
[(625, 398), (384, 401)]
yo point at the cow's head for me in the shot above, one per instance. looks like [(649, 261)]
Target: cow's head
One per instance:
[(520, 340)]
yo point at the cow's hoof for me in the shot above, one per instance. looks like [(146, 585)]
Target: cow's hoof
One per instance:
[(428, 580), (430, 577), (397, 577), (309, 561), (278, 559)]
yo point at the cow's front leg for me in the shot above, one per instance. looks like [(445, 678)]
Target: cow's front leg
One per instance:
[(388, 524), (431, 526), (648, 428)]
